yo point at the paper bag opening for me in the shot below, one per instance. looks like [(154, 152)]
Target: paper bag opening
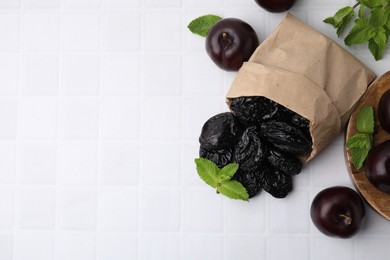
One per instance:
[(303, 70)]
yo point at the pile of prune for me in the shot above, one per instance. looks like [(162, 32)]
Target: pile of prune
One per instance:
[(264, 138)]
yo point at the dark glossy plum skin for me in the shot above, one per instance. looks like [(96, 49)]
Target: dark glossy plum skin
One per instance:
[(384, 111), (276, 6), (338, 212), (378, 166), (230, 42)]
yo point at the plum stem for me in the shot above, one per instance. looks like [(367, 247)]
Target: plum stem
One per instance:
[(347, 219)]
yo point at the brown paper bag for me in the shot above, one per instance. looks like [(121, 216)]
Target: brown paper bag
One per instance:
[(310, 74)]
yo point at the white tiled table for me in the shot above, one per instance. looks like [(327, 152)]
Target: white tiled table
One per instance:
[(101, 105)]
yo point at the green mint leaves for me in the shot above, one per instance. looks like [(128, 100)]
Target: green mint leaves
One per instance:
[(372, 25), (221, 179), (361, 143), (202, 24)]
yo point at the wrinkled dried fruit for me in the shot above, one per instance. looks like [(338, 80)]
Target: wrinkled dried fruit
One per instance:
[(287, 163), (286, 138), (219, 157), (253, 110), (251, 180), (219, 132), (276, 183)]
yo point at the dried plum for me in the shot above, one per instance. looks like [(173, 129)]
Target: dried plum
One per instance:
[(276, 183), (286, 138), (219, 157), (249, 151), (253, 110), (286, 163), (250, 179), (219, 132)]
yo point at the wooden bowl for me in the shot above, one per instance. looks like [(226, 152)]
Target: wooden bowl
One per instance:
[(377, 199)]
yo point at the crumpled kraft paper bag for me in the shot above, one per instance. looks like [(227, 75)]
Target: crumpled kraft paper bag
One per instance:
[(307, 72)]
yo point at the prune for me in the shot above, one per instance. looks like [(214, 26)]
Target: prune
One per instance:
[(300, 122), (286, 138), (276, 183), (219, 132), (250, 179), (253, 110), (378, 166), (219, 157), (230, 42), (287, 163), (250, 151)]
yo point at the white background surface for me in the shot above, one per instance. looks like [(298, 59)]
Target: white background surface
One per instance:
[(101, 105)]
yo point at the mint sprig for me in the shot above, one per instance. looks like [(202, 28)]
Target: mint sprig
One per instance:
[(203, 24), (372, 25), (361, 143), (221, 179)]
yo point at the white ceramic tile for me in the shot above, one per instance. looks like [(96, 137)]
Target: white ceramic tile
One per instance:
[(157, 38), (162, 118), (238, 247), (194, 42), (82, 3), (7, 206), (9, 75), (8, 117), (77, 209), (120, 118), (81, 75), (9, 25), (76, 246), (323, 248), (9, 4), (118, 209), (6, 249), (42, 4), (39, 118), (8, 162), (119, 163), (122, 32), (202, 3), (203, 246), (78, 164), (374, 223), (34, 245), (118, 246), (199, 204), (79, 119), (42, 31), (243, 217), (121, 75), (81, 32), (158, 246), (190, 177), (196, 111), (122, 3), (170, 3), (160, 165), (41, 75), (372, 248), (36, 208), (39, 163), (162, 75), (160, 210), (201, 76), (290, 247), (292, 213)]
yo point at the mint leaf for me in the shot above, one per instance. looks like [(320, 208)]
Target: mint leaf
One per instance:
[(359, 140), (365, 120), (360, 33), (330, 20), (372, 3), (358, 156), (361, 10), (374, 49), (233, 190), (208, 171), (202, 24), (228, 171), (341, 19), (378, 17)]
